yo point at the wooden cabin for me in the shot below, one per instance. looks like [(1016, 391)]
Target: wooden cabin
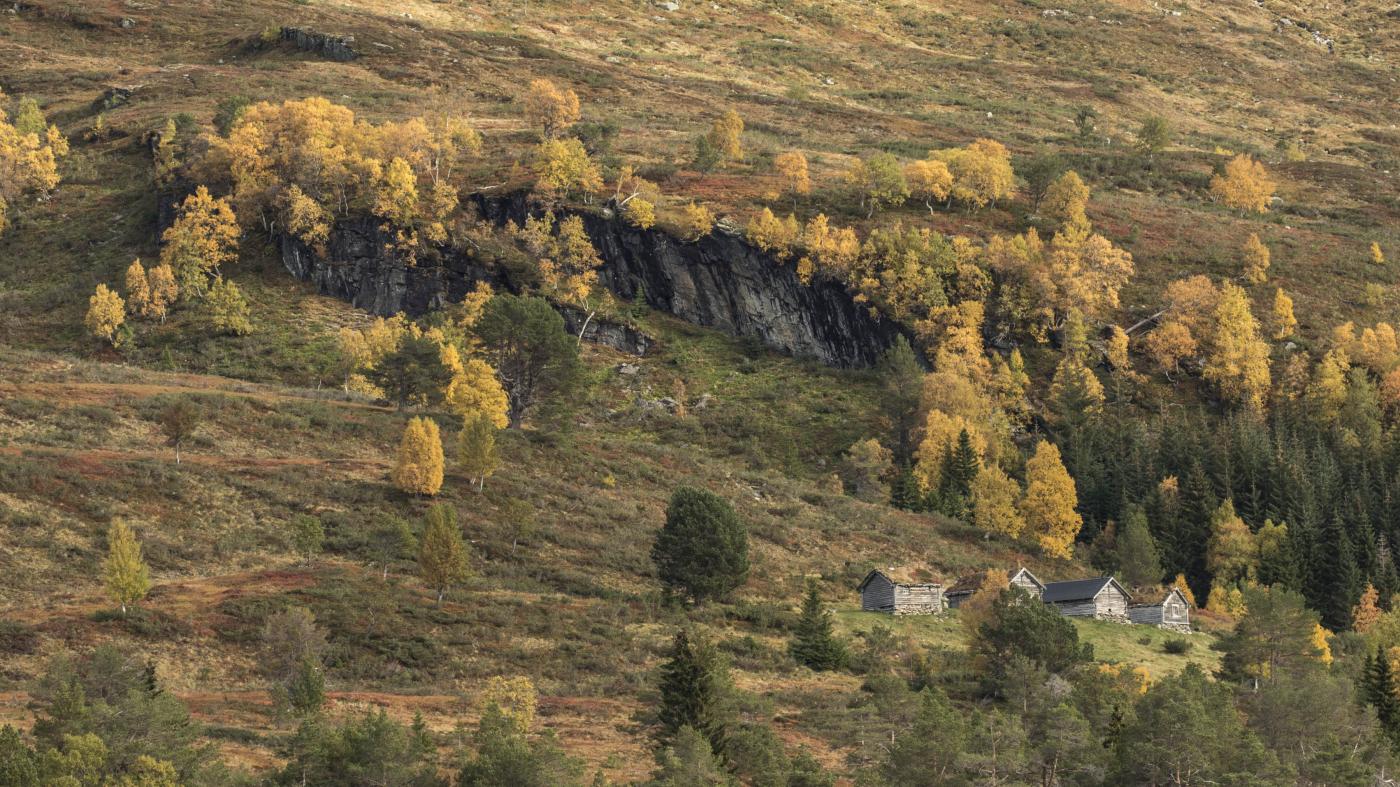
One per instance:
[(968, 585), (893, 591), (1101, 598), (1172, 613)]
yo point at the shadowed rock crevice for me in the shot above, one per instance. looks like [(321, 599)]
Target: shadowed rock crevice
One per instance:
[(719, 282)]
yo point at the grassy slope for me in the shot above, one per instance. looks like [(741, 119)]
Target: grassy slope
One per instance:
[(573, 605)]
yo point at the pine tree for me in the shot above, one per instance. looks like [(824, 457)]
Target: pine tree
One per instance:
[(127, 577), (695, 691), (442, 554), (702, 551), (814, 644), (476, 448), (306, 692), (419, 467)]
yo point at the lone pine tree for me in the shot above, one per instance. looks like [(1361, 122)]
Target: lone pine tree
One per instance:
[(702, 551)]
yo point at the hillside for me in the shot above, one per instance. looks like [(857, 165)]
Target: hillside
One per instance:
[(562, 586)]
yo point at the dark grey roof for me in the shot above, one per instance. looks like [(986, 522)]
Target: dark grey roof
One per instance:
[(1077, 589)]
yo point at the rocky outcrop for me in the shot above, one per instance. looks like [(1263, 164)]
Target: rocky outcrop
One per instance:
[(718, 282), (339, 48), (722, 282)]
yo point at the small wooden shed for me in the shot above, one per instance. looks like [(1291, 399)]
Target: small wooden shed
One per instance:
[(965, 587), (1172, 613), (895, 591), (1101, 598)]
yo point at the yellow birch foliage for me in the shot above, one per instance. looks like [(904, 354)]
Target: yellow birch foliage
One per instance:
[(515, 698), (791, 167), (1282, 322), (138, 288), (772, 234), (105, 315), (994, 497), (570, 271), (981, 172), (1049, 502), (476, 390), (1065, 201), (929, 180), (726, 135), (1320, 641), (1377, 256), (1246, 185), (203, 238), (696, 222), (1238, 359), (1255, 256), (124, 571), (418, 468), (550, 108), (1169, 344), (563, 168)]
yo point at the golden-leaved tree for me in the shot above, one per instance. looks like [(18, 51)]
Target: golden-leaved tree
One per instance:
[(105, 315), (475, 390), (418, 468), (563, 169), (929, 180), (138, 288), (1237, 361), (1231, 554), (696, 222), (124, 570), (636, 198), (162, 293), (1078, 269), (791, 168), (981, 171), (549, 108), (878, 181), (1255, 260), (1048, 505), (1245, 185), (772, 234), (203, 238), (994, 497), (726, 136), (29, 154), (1065, 201), (1282, 322)]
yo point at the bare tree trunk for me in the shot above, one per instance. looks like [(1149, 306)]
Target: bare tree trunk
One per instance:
[(584, 329)]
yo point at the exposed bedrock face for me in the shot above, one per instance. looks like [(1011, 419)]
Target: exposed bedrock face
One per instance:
[(718, 282)]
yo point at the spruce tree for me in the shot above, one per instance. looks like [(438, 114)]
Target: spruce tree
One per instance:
[(960, 467), (1379, 689), (1138, 561), (702, 551), (814, 644), (1334, 581), (904, 490), (694, 691)]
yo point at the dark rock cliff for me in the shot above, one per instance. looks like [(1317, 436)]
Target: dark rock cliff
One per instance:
[(718, 282)]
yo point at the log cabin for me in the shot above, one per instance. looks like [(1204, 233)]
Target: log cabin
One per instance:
[(1172, 613), (894, 591), (966, 586), (1101, 598)]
